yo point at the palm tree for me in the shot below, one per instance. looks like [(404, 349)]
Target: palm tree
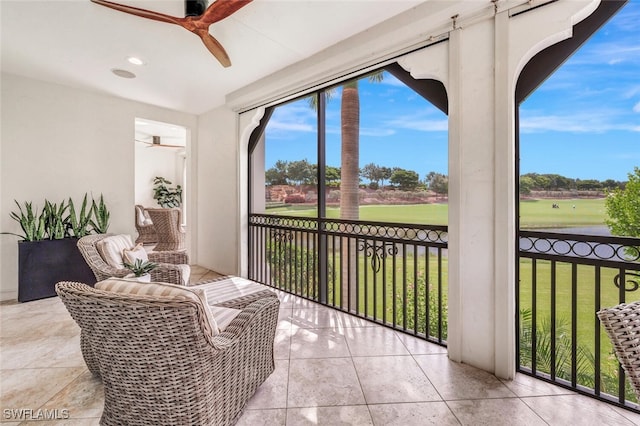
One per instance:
[(350, 147), (349, 170), (350, 177)]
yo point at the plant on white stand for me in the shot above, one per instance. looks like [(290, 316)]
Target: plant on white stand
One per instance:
[(140, 270)]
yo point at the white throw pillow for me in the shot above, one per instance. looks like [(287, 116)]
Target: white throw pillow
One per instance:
[(111, 248), (131, 255)]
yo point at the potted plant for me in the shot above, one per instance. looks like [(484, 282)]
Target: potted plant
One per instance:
[(166, 196), (48, 251), (140, 269)]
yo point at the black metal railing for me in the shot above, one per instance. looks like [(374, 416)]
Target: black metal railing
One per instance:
[(564, 279), (391, 273)]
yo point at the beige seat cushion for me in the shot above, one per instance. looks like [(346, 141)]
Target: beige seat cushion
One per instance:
[(215, 322), (112, 247), (230, 288)]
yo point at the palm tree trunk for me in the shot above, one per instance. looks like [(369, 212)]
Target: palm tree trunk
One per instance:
[(349, 185), (350, 176)]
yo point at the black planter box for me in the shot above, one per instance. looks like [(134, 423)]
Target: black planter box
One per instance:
[(41, 264)]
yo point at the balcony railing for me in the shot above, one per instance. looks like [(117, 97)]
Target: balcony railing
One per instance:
[(564, 279), (391, 273)]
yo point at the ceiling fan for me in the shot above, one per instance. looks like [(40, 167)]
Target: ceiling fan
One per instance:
[(156, 142), (197, 24)]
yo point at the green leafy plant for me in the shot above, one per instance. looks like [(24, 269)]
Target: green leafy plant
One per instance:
[(55, 222), (32, 223), (166, 196), (140, 267), (101, 215), (79, 225)]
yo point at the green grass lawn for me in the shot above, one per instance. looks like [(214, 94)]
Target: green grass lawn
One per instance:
[(533, 213)]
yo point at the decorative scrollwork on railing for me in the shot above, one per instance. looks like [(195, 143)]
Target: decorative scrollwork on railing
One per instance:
[(630, 284), (583, 246), (377, 253), (388, 230), (282, 236)]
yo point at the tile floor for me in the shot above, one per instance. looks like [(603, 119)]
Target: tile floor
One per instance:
[(331, 369)]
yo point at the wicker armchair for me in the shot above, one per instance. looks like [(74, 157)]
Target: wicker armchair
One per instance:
[(161, 366), (173, 267), (168, 226), (144, 226), (622, 325)]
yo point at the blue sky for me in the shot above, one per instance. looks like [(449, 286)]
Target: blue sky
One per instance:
[(583, 122)]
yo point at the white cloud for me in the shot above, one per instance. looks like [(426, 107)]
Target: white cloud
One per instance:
[(636, 107), (377, 132), (420, 124), (290, 126), (587, 122)]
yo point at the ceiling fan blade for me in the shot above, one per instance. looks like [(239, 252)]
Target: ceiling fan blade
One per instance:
[(220, 9), (215, 48), (141, 12)]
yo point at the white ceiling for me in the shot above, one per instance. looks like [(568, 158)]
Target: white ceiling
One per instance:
[(76, 43)]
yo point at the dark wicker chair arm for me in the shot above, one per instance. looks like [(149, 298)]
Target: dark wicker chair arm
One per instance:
[(167, 273), (174, 257)]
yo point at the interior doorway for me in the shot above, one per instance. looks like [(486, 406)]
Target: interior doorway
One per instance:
[(160, 151)]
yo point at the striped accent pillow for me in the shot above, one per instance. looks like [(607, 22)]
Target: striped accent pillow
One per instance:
[(230, 288), (111, 248), (163, 291)]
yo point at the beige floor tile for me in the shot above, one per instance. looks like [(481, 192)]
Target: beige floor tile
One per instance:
[(460, 381), (39, 325), (523, 385), (575, 410), (271, 417), (374, 341), (417, 346), (317, 317), (284, 318), (345, 320), (32, 388), (323, 382), (83, 398), (413, 414), (393, 379), (329, 416), (318, 343), (273, 392), (14, 309), (59, 352), (495, 412), (627, 414), (282, 343)]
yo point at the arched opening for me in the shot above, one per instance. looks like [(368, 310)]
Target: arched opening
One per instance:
[(576, 123)]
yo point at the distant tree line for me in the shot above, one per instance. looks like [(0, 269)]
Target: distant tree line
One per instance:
[(552, 182), (302, 172)]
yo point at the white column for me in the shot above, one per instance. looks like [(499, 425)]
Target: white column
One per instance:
[(479, 66)]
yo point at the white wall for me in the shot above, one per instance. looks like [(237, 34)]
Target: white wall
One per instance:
[(152, 162), (58, 142), (218, 191)]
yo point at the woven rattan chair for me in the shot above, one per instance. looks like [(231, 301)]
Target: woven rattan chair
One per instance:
[(167, 271), (144, 225), (168, 226), (622, 325), (159, 364)]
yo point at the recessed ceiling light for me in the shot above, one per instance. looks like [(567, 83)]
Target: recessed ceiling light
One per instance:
[(135, 61), (123, 73)]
